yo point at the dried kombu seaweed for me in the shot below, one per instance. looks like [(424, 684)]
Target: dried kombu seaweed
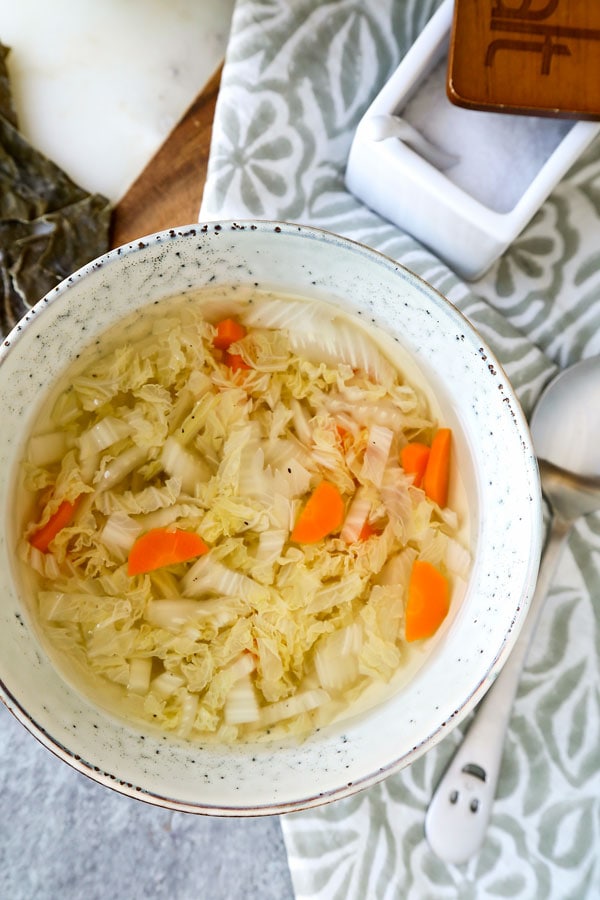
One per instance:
[(7, 110), (48, 225)]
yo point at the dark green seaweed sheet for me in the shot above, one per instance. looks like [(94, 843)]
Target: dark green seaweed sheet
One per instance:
[(49, 226)]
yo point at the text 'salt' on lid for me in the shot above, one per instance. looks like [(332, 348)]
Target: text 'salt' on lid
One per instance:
[(536, 57)]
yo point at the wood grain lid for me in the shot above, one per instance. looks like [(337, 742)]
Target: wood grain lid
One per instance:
[(536, 57)]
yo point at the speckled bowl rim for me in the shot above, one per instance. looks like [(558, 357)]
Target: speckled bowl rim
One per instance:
[(313, 798)]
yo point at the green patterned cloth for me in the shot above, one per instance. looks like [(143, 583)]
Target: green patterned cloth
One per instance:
[(299, 74)]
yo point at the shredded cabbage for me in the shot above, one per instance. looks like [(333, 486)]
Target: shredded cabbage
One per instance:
[(260, 634)]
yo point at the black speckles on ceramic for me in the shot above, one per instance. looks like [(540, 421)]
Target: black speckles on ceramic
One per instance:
[(494, 455)]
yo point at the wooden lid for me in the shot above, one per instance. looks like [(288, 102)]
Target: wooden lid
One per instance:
[(537, 57)]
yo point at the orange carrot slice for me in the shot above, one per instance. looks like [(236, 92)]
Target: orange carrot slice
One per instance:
[(322, 514), (228, 332), (437, 473), (235, 361), (413, 459), (427, 603), (160, 547), (368, 531), (63, 516)]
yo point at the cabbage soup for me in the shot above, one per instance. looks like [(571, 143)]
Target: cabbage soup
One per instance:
[(239, 518)]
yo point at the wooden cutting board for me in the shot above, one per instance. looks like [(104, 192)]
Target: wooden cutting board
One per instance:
[(169, 191)]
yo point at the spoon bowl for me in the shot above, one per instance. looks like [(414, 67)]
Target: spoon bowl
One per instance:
[(563, 428)]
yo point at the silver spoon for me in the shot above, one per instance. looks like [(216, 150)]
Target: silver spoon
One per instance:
[(566, 434)]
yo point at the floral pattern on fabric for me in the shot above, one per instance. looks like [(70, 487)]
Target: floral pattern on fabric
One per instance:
[(297, 79)]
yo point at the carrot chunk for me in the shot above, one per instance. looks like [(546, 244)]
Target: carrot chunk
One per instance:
[(368, 531), (413, 459), (235, 361), (160, 547), (63, 516), (437, 472), (427, 603), (322, 514), (228, 332)]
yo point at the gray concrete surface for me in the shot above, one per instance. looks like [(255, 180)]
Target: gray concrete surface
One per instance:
[(64, 836)]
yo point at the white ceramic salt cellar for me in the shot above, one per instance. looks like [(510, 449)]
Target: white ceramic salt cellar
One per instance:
[(468, 182)]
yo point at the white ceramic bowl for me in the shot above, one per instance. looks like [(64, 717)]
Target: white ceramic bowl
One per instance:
[(494, 455)]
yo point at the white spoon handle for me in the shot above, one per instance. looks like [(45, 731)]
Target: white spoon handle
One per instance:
[(383, 127), (461, 807)]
